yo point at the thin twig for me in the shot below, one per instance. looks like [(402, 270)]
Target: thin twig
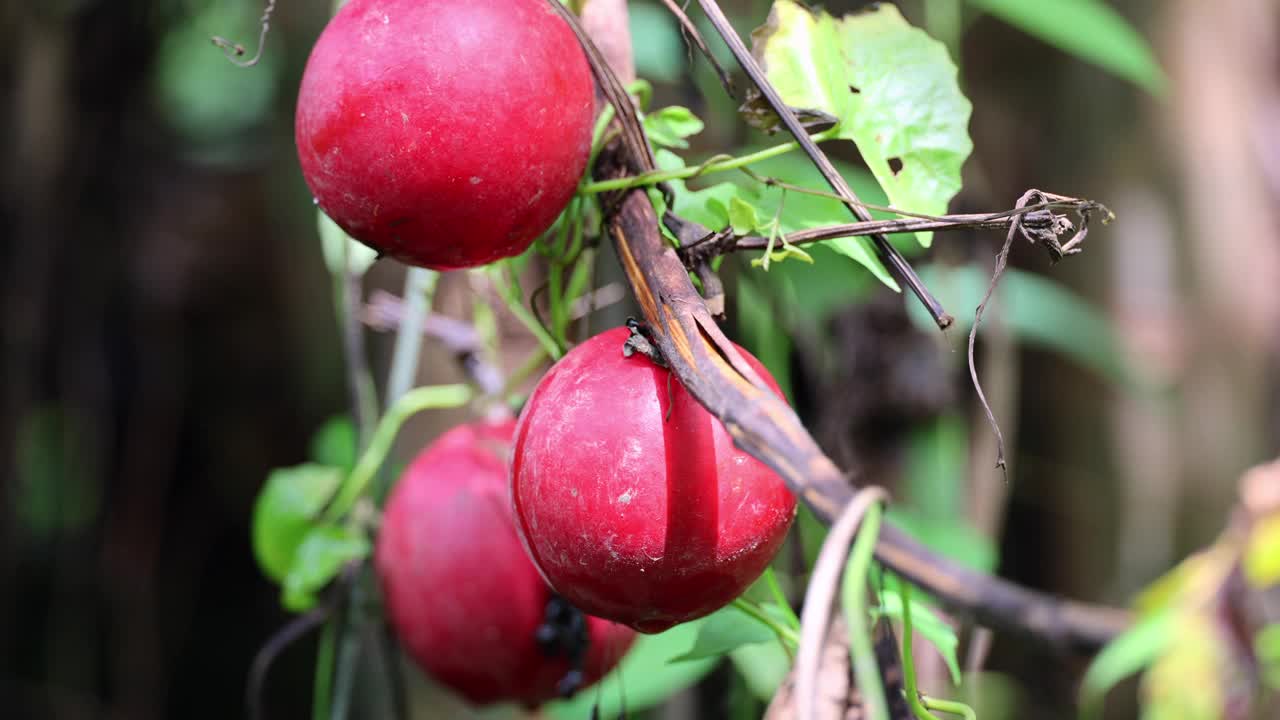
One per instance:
[(690, 32), (293, 631), (820, 597), (234, 51), (888, 254), (1045, 232)]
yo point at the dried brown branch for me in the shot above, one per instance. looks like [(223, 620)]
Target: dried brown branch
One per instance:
[(763, 425), (704, 241), (1044, 231)]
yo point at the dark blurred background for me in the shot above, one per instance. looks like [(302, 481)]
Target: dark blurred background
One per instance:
[(169, 334)]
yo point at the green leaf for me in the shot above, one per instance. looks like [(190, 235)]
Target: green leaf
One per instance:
[(761, 334), (1088, 29), (893, 88), (334, 444), (340, 249), (925, 621), (1130, 652), (725, 630), (659, 52), (645, 677), (320, 556), (670, 126), (1036, 310), (935, 450), (285, 511), (742, 216), (762, 666)]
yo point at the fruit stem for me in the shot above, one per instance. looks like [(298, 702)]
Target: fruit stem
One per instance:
[(512, 295), (788, 637), (771, 579), (419, 290), (854, 590), (732, 163), (433, 397)]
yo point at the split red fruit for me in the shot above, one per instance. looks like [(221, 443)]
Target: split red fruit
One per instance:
[(445, 133), (631, 498), (462, 596)]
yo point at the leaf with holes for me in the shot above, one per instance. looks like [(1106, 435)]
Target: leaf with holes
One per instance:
[(892, 87)]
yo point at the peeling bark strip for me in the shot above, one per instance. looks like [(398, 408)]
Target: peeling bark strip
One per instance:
[(764, 426)]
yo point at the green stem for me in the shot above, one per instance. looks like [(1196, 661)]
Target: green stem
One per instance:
[(419, 288), (854, 591), (659, 176), (951, 707), (790, 640), (908, 662), (324, 671), (771, 580), (511, 294), (437, 397)]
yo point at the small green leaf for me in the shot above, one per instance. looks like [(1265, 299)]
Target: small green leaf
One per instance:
[(1130, 652), (340, 250), (1088, 29), (285, 511), (925, 621), (893, 88), (334, 444), (742, 216), (670, 126), (320, 556), (724, 630), (801, 211), (644, 678)]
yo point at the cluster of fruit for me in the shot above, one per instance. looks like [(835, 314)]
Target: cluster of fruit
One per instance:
[(449, 134)]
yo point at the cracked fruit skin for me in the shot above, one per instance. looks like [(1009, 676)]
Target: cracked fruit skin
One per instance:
[(461, 594), (445, 133), (644, 520)]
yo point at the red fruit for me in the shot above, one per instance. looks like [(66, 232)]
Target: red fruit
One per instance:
[(459, 590), (631, 514), (445, 133)]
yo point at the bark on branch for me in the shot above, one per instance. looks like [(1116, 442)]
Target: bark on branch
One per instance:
[(766, 427)]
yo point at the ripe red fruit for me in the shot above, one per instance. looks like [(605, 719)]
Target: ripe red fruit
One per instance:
[(460, 592), (631, 514), (445, 133)]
